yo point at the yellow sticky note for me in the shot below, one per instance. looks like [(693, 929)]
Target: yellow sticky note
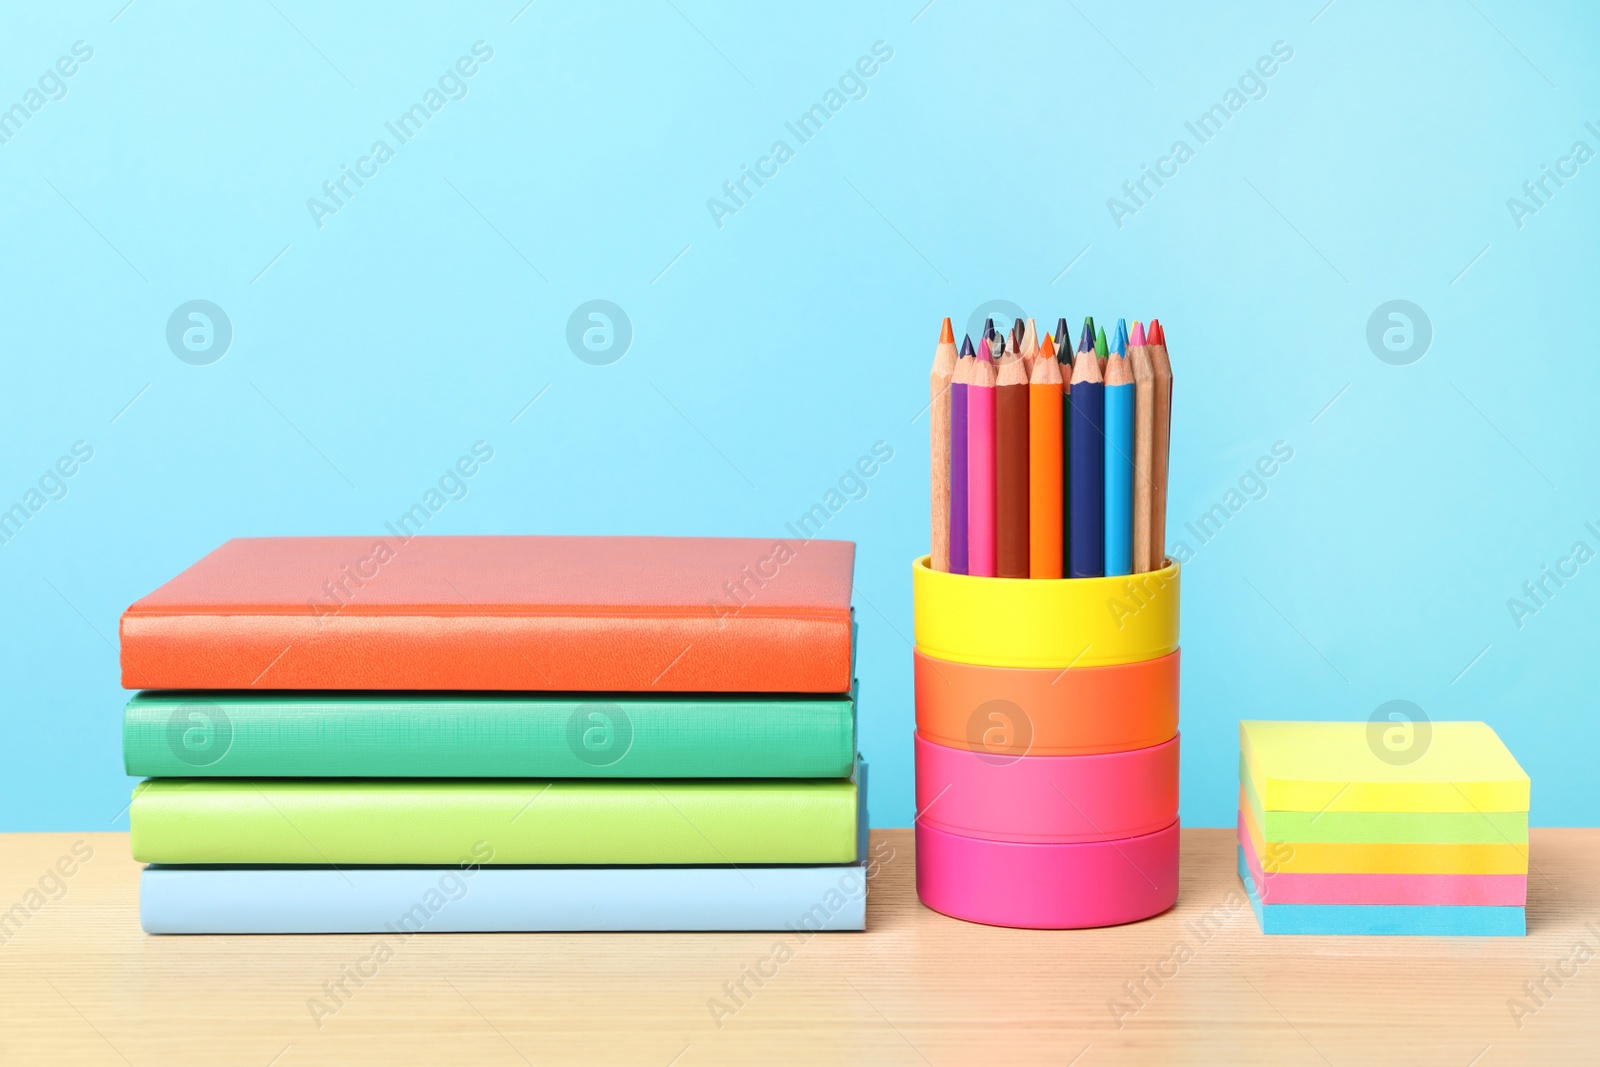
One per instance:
[(1381, 766)]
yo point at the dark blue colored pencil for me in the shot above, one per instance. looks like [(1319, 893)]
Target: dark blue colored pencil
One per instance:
[(1086, 483)]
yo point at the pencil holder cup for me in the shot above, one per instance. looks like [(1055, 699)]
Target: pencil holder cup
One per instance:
[(1046, 747)]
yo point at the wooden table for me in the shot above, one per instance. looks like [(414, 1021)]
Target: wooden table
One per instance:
[(79, 983)]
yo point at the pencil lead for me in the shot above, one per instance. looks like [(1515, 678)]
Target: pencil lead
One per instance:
[(1100, 343), (1062, 336), (988, 329), (947, 336), (1137, 340), (1086, 342), (984, 351), (1119, 344), (1088, 320), (1047, 350), (966, 345), (1122, 334), (1155, 333)]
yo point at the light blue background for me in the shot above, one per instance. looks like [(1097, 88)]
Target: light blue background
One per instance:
[(772, 352)]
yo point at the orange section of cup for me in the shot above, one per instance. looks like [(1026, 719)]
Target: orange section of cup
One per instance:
[(1022, 711)]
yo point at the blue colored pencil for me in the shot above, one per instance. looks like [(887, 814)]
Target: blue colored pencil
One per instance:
[(958, 458), (1119, 414), (1088, 459)]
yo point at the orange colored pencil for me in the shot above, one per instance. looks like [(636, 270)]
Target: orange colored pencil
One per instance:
[(1044, 464)]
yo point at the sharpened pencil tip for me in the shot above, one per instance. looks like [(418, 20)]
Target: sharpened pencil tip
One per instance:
[(1122, 334), (983, 350), (1119, 343), (1156, 334), (1062, 335), (1138, 334), (1086, 342), (1047, 350), (1100, 349), (966, 345), (947, 334), (988, 328)]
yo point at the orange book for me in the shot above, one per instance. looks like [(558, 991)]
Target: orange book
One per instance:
[(620, 614)]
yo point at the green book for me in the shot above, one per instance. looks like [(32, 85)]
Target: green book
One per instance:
[(561, 821), (487, 735)]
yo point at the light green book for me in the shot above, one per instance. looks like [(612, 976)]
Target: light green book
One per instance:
[(562, 821), (487, 735)]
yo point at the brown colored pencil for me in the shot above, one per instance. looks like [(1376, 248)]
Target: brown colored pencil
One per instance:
[(1144, 386), (1011, 469), (944, 368), (1044, 464), (1161, 448)]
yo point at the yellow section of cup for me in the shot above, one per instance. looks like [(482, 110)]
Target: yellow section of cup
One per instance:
[(1045, 622)]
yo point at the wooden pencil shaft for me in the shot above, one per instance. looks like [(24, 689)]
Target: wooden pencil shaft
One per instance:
[(1161, 445), (1144, 385)]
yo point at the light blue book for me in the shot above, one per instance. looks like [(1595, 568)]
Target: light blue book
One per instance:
[(1423, 920), (400, 902)]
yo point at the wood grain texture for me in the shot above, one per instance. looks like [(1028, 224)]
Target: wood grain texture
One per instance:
[(80, 984)]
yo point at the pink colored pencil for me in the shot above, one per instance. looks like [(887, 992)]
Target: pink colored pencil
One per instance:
[(982, 557)]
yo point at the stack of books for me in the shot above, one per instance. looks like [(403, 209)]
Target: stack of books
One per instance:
[(1378, 828), (351, 734)]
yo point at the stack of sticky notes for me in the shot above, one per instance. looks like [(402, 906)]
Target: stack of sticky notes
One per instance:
[(1345, 830), (418, 734)]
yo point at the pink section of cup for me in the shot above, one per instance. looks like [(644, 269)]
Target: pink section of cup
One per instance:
[(1047, 799), (1047, 886)]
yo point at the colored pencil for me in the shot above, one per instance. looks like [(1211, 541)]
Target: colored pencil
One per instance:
[(944, 369), (1119, 415), (988, 331), (958, 457), (1044, 464), (1087, 478), (1011, 467), (1102, 350), (981, 548), (1156, 337), (1015, 336), (1064, 357), (1144, 388)]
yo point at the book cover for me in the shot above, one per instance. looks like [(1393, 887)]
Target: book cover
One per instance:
[(550, 614), (390, 822), (487, 735)]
